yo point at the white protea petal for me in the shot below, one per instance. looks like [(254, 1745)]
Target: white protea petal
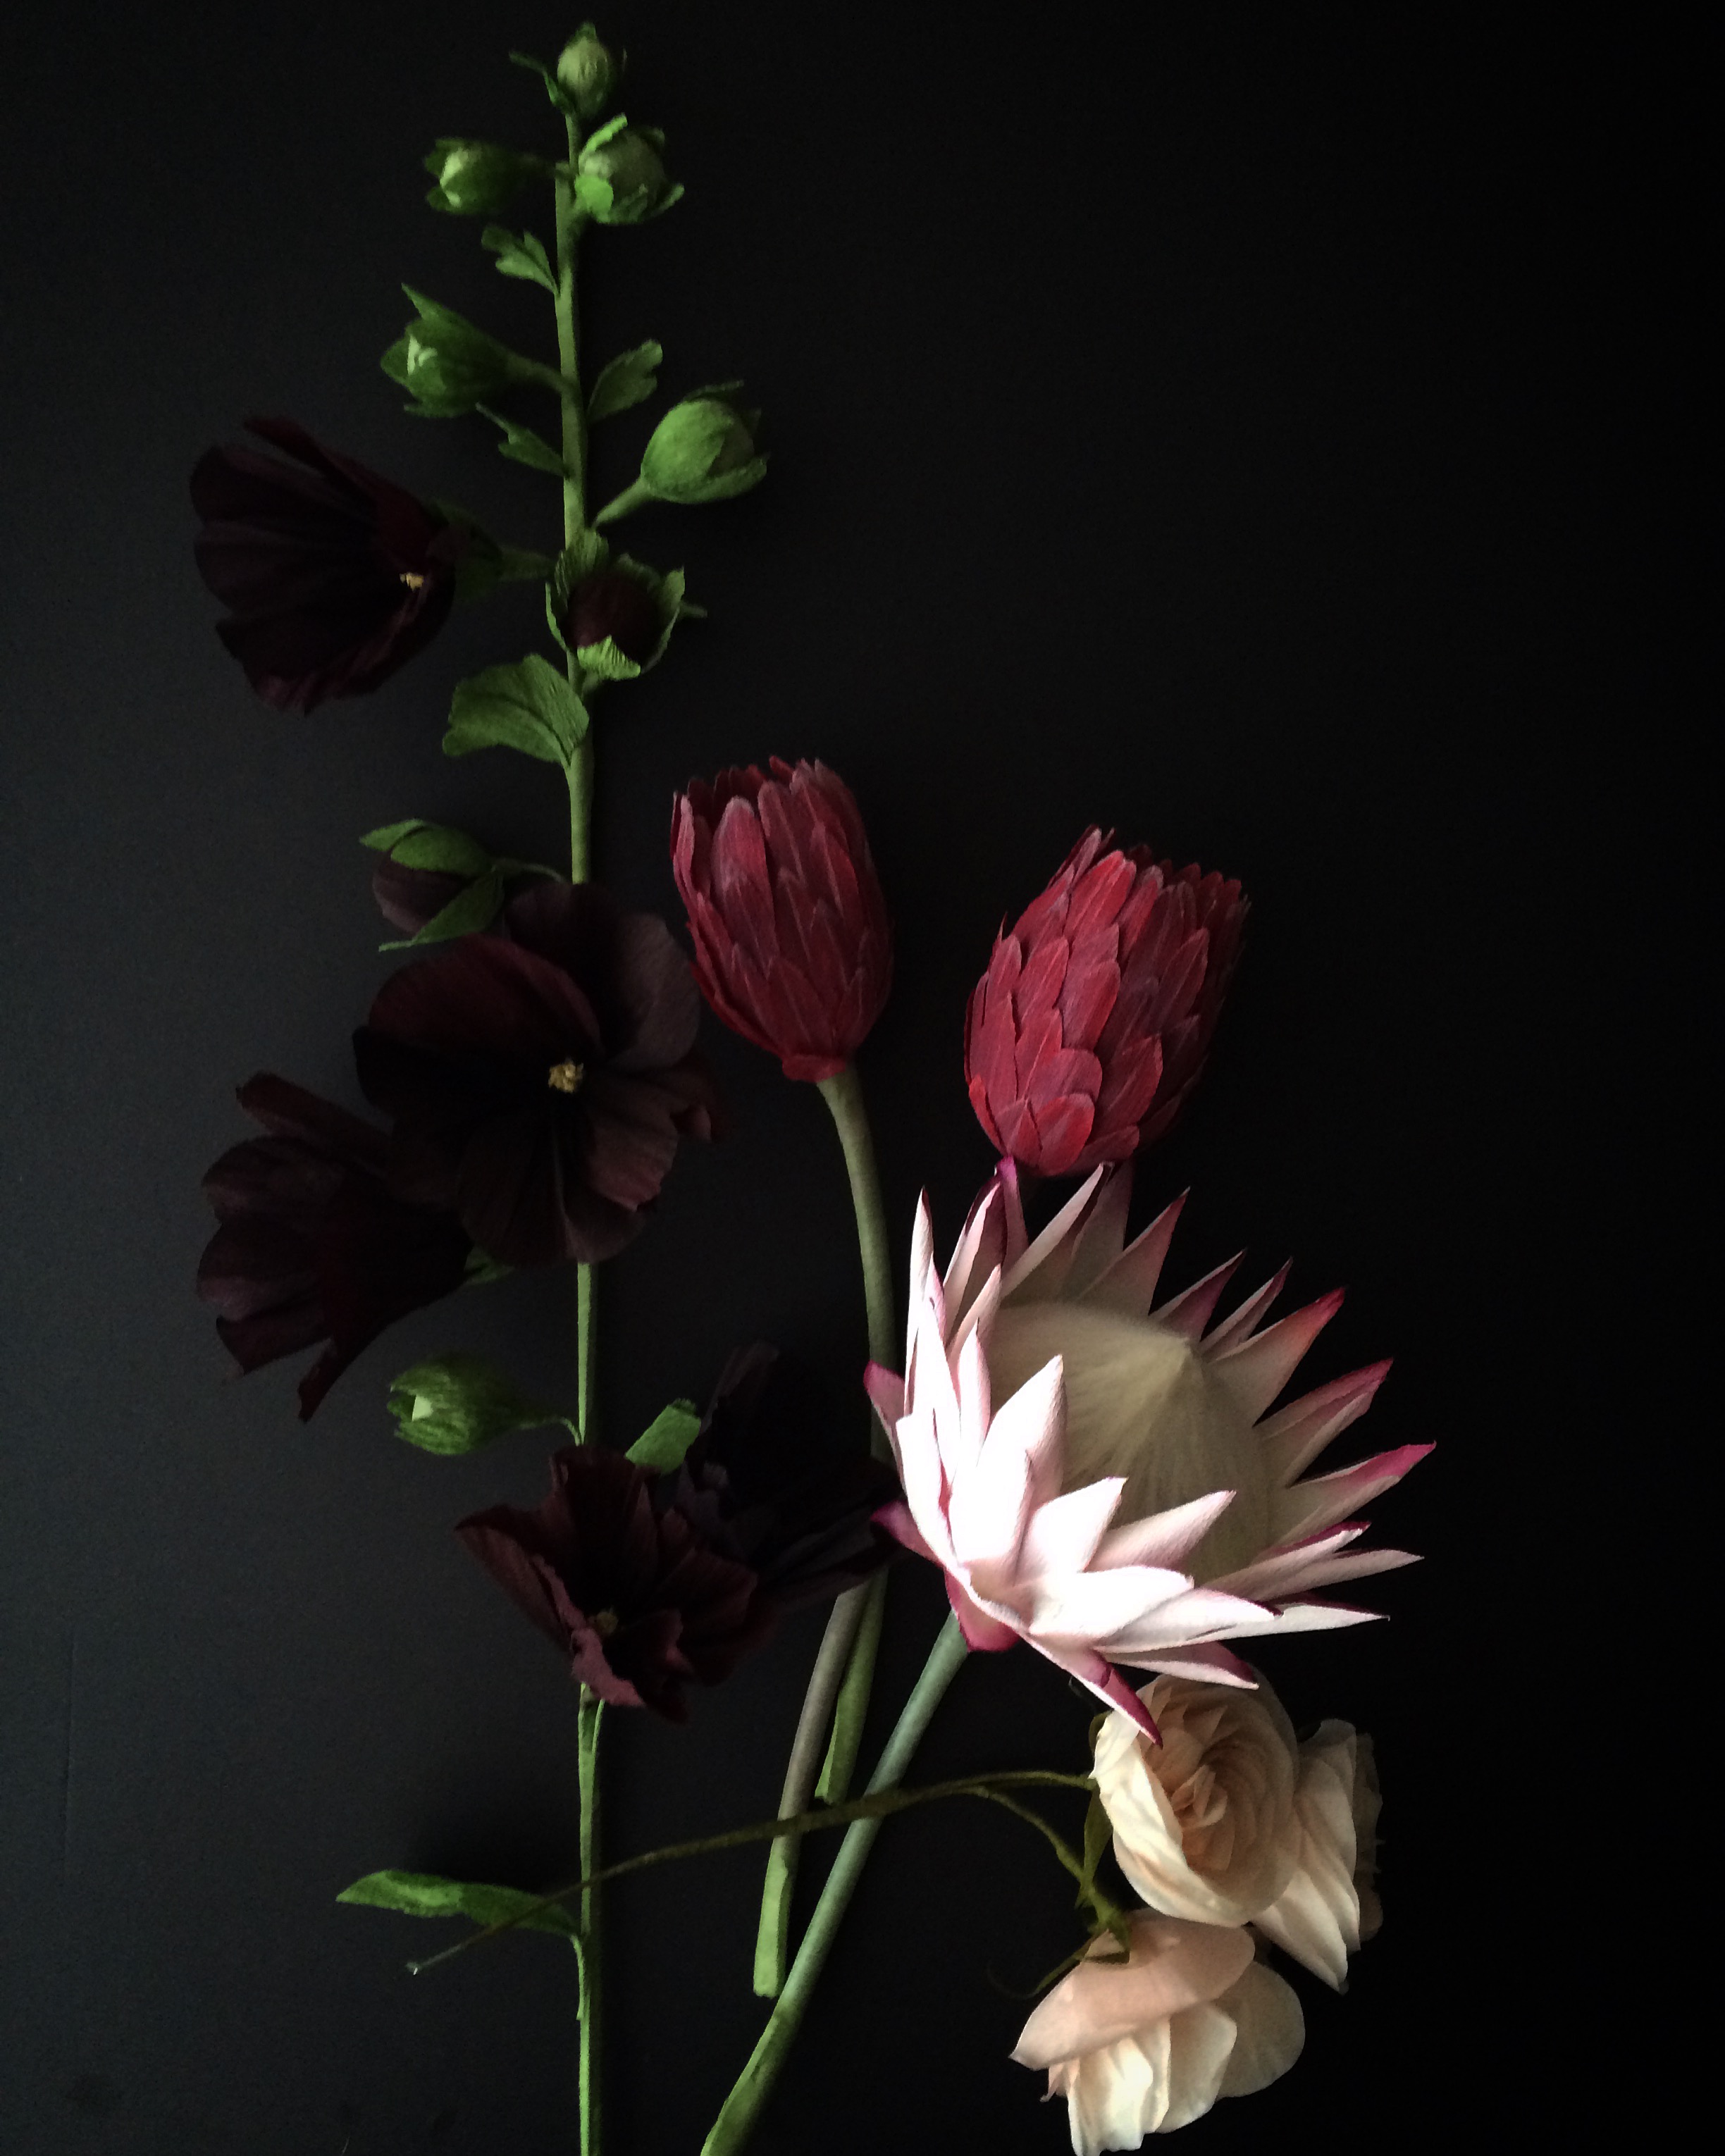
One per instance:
[(923, 1278), (1198, 1613), (1063, 1534), (1102, 1234), (1130, 1280), (1207, 1662), (978, 1318), (1237, 1325), (1164, 1538), (925, 1485), (1190, 1311), (886, 1390), (1256, 1370), (1096, 1607), (1054, 1238), (980, 1250), (990, 1505), (1306, 1616), (1294, 1435), (1325, 1498)]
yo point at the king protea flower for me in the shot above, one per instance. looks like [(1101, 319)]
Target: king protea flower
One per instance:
[(1126, 1502)]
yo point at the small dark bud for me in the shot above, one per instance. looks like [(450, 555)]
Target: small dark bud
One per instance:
[(617, 605)]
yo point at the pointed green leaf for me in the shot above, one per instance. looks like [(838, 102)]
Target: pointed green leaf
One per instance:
[(522, 446), (436, 846), (466, 914), (607, 661), (667, 1437), (424, 1894), (528, 707), (455, 1403), (386, 834), (629, 379), (519, 254), (595, 195)]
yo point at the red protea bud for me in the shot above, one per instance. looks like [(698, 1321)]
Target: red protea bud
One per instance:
[(1092, 1023), (792, 946)]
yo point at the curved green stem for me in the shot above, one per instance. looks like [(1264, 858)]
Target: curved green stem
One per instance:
[(838, 1694), (587, 1756), (736, 2121)]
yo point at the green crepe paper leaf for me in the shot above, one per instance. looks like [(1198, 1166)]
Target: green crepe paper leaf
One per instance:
[(528, 707), (1098, 1831), (586, 558), (615, 125), (607, 661), (522, 446), (386, 834), (421, 845), (484, 1271), (553, 622), (456, 1404), (520, 255), (424, 1894), (595, 195), (629, 379), (667, 1437), (553, 88), (466, 913)]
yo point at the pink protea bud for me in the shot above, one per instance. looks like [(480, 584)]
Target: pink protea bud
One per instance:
[(1093, 1022), (792, 946)]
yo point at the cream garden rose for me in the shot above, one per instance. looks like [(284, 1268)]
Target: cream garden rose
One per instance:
[(1230, 1821), (1147, 2046)]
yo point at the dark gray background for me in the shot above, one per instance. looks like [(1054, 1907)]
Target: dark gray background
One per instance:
[(1228, 424)]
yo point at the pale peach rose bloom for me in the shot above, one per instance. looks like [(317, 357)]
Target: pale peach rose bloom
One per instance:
[(1330, 1904), (1149, 2046), (1229, 1821)]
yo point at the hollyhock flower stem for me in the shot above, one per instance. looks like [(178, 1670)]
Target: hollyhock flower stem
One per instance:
[(587, 1754), (838, 1695), (569, 221), (742, 2107)]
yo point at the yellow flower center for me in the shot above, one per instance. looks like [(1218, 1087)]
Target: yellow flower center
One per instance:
[(565, 1077), (606, 1623), (413, 581)]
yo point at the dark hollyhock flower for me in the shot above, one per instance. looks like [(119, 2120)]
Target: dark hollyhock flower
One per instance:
[(792, 946), (312, 1245), (771, 1483), (1092, 1023), (333, 576), (630, 1593), (615, 604), (539, 1078)]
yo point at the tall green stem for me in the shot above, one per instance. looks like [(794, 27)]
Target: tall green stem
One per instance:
[(587, 1753), (580, 777), (742, 2107), (838, 1695)]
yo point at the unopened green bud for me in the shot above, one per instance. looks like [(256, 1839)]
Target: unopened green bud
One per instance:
[(458, 1403), (475, 179), (620, 178), (703, 449), (586, 74), (446, 364)]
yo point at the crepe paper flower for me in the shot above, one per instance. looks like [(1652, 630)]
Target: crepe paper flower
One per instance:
[(770, 1481), (1148, 2046), (1204, 1825), (793, 945), (312, 1246), (1123, 1503), (631, 1594), (618, 605), (333, 576), (540, 1079), (1330, 1905), (1090, 1026)]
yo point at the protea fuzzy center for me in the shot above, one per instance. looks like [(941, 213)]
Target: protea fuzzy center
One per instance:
[(1142, 1402)]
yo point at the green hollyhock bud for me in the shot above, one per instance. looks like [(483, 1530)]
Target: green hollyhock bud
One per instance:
[(445, 364), (458, 1403), (475, 179), (586, 73), (703, 449), (620, 177)]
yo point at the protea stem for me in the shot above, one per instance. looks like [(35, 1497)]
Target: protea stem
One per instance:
[(742, 2107), (838, 1694)]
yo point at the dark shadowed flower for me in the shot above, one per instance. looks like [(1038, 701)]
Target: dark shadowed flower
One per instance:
[(770, 1481), (1092, 1025), (630, 1593), (793, 945), (621, 606), (312, 1245), (540, 1079), (332, 576)]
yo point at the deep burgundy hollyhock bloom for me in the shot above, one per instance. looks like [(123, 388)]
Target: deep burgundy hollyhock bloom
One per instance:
[(333, 576), (792, 946), (539, 1079), (613, 603), (1093, 1022), (630, 1593), (312, 1245), (770, 1481)]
